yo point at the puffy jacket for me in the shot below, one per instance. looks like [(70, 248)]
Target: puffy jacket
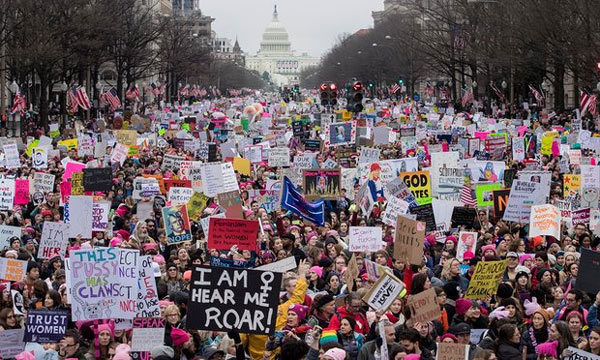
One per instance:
[(509, 351), (362, 326)]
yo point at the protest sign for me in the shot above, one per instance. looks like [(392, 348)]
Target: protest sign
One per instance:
[(100, 212), (419, 183), (55, 237), (145, 187), (340, 133), (451, 351), (147, 333), (467, 241), (581, 216), (177, 183), (8, 232), (281, 266), (171, 162), (500, 201), (523, 195), (321, 184), (485, 280), (11, 343), (424, 306), (351, 273), (571, 185), (80, 216), (17, 300), (384, 292), (119, 154), (483, 193), (126, 137), (196, 204), (224, 233), (21, 191), (97, 179), (43, 182), (147, 299), (7, 194), (12, 269), (104, 283), (408, 245), (45, 326), (365, 238), (463, 216), (577, 354), (368, 155), (279, 157), (312, 144), (393, 209), (11, 156), (397, 188), (76, 183), (545, 220), (224, 299), (266, 199), (229, 199), (231, 263), (180, 195), (39, 158), (425, 214), (177, 223)]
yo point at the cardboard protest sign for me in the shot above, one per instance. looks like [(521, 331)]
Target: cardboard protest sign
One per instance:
[(97, 179), (177, 223), (79, 215), (451, 351), (8, 232), (485, 279), (147, 333), (7, 194), (147, 299), (229, 199), (365, 238), (483, 193), (45, 326), (224, 299), (424, 306), (43, 182), (281, 266), (467, 241), (384, 292), (126, 137), (55, 237), (321, 184), (351, 272), (577, 354), (224, 233), (408, 245), (12, 269), (545, 220), (104, 283), (419, 183)]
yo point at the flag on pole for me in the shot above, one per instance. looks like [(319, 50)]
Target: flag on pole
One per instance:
[(292, 200), (111, 97), (19, 104), (587, 102), (82, 99), (395, 88), (539, 96), (467, 98), (133, 93), (499, 93), (72, 102), (466, 196)]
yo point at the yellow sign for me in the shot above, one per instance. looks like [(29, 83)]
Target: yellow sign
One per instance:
[(485, 280), (32, 145), (196, 205), (77, 183), (70, 144), (127, 137), (241, 165), (419, 183), (133, 151), (572, 185), (547, 145)]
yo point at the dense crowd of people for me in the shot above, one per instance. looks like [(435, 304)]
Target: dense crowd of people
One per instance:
[(537, 311)]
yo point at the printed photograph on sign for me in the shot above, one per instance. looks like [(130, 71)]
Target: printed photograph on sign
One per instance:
[(322, 184), (177, 223), (340, 133)]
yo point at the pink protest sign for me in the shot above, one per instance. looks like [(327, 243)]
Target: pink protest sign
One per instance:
[(21, 191), (71, 168)]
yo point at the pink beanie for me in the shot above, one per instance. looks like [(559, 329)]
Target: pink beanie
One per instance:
[(548, 348), (452, 238), (335, 354), (486, 248), (25, 355), (318, 270), (116, 241), (122, 352), (300, 310), (412, 357), (159, 259), (524, 257)]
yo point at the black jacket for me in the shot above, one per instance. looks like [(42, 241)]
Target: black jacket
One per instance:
[(509, 351)]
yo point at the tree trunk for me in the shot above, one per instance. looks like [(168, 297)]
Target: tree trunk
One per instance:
[(559, 87), (43, 100)]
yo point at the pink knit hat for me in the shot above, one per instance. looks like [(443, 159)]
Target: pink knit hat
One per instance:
[(300, 310), (486, 248), (334, 354), (318, 270), (548, 348)]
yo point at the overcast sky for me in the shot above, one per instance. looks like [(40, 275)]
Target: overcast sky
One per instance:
[(313, 25)]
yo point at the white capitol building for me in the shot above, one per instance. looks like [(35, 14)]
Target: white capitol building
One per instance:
[(276, 56)]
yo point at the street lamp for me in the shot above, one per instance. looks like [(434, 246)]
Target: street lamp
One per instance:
[(474, 84), (14, 87), (388, 37), (374, 44), (504, 84)]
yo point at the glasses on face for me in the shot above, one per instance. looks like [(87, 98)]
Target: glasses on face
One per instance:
[(173, 315)]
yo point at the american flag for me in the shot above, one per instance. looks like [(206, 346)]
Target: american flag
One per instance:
[(429, 90), (203, 92), (467, 97), (82, 99), (72, 102), (539, 96), (111, 97), (184, 91), (155, 89), (466, 195), (133, 93), (163, 88), (395, 88), (195, 92), (588, 103), (499, 93), (19, 103)]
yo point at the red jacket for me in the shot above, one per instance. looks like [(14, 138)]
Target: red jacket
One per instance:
[(362, 326)]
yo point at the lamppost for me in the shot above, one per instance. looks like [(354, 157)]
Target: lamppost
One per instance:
[(16, 117), (63, 87), (474, 85)]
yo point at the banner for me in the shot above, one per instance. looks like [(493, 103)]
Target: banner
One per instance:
[(12, 269), (419, 183), (545, 220), (321, 184), (223, 299), (365, 238), (104, 283), (55, 237), (384, 292), (424, 306), (177, 223), (523, 195), (7, 194), (408, 245), (485, 280), (147, 299), (483, 193), (45, 326), (147, 333), (97, 179), (292, 200), (224, 233)]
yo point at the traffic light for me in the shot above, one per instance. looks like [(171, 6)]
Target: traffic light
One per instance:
[(324, 94), (356, 97), (333, 94)]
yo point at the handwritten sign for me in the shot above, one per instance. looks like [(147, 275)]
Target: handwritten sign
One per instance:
[(7, 194), (485, 280), (365, 238), (12, 270), (545, 220), (147, 299), (408, 245), (147, 333), (424, 306), (55, 237)]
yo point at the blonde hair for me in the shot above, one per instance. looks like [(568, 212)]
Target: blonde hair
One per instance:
[(446, 269)]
